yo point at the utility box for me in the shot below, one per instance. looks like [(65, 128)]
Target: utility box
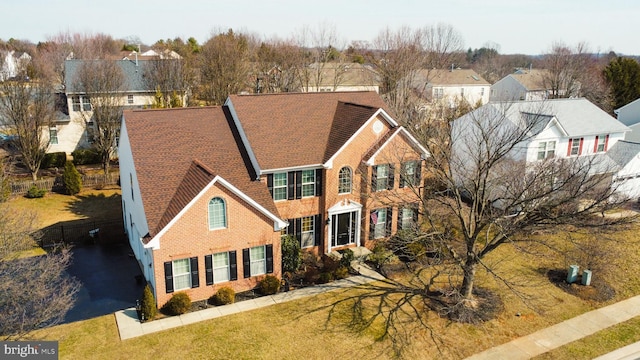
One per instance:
[(572, 275), (586, 277)]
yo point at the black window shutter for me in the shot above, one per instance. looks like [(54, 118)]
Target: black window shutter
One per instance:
[(317, 228), (318, 182), (374, 177), (208, 266), (415, 213), (289, 228), (233, 266), (298, 184), (388, 223), (390, 178), (399, 222), (291, 185), (246, 263), (270, 183), (372, 226), (298, 229), (195, 279), (403, 175), (418, 174), (168, 276), (269, 255)]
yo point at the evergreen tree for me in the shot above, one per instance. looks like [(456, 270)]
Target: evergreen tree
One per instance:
[(71, 178), (148, 306), (623, 76)]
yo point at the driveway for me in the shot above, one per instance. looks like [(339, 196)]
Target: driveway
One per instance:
[(107, 275)]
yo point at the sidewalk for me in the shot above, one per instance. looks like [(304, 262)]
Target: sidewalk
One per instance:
[(129, 326), (570, 330)]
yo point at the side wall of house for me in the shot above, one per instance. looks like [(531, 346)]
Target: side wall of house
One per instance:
[(189, 237)]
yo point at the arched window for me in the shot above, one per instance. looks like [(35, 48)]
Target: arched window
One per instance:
[(217, 214), (344, 180)]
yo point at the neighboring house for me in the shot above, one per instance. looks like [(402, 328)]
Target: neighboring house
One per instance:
[(341, 77), (452, 85), (523, 85), (73, 127), (208, 196), (569, 128), (630, 116), (626, 156), (12, 64)]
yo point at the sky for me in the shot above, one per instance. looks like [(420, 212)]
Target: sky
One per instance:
[(516, 26)]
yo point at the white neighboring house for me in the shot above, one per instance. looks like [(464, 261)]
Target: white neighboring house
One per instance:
[(11, 64), (452, 85), (69, 132), (522, 85), (630, 116), (571, 128)]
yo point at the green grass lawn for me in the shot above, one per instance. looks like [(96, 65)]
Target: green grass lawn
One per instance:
[(315, 328)]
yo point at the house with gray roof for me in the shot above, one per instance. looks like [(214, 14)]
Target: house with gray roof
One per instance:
[(565, 128), (523, 84), (73, 126)]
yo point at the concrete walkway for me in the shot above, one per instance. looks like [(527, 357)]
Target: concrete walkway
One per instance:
[(129, 326), (568, 331)]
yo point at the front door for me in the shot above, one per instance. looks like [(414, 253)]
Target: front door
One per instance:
[(343, 229)]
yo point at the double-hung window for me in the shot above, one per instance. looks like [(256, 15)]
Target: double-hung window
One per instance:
[(410, 175), (130, 99), (258, 261), (280, 186), (382, 177), (308, 183), (181, 274), (307, 233), (53, 136), (546, 149), (75, 100), (408, 217), (574, 146), (380, 223), (601, 142), (220, 267)]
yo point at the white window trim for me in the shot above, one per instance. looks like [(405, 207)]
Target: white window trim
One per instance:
[(341, 182), (307, 185), (309, 234), (175, 274), (214, 267), (224, 214), (386, 177), (253, 261), (380, 226), (280, 186)]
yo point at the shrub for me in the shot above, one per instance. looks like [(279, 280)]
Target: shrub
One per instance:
[(380, 255), (86, 156), (179, 304), (35, 192), (56, 159), (311, 275), (342, 272), (224, 296), (291, 255), (347, 258), (71, 179), (269, 285), (148, 307), (325, 277), (330, 263), (5, 189)]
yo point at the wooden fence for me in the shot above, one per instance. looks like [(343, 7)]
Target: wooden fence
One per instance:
[(55, 184)]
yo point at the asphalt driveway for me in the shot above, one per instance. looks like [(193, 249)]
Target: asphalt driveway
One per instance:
[(108, 277)]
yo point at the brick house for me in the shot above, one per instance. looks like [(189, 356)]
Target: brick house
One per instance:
[(208, 192)]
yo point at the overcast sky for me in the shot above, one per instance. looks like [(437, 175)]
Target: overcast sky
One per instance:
[(517, 26)]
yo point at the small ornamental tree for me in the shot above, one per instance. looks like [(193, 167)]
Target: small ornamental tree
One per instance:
[(148, 307), (291, 257), (71, 179)]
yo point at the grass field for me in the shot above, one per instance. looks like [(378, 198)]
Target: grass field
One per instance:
[(317, 328)]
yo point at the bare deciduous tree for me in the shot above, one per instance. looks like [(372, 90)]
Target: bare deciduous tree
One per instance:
[(36, 291), (26, 111), (103, 82), (171, 79)]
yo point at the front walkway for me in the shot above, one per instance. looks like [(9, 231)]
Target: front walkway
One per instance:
[(129, 326), (568, 331)]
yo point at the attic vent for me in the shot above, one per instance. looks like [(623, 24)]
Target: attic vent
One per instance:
[(475, 78)]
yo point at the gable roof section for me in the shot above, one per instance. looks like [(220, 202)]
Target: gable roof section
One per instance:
[(532, 80), (455, 77), (370, 157), (622, 152), (577, 117), (178, 152), (133, 73), (301, 129)]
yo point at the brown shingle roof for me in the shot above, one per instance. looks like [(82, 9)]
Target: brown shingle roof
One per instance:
[(289, 130), (531, 79), (441, 77), (179, 151)]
